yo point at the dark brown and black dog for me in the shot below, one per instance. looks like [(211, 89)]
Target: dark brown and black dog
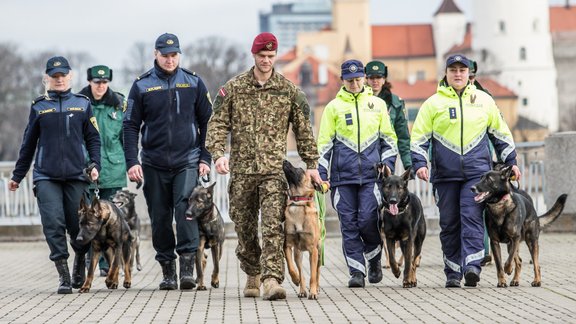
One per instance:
[(124, 200), (511, 218), (211, 227), (103, 224), (403, 221), (302, 229)]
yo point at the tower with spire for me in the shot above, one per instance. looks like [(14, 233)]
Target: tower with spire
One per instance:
[(449, 27), (512, 43)]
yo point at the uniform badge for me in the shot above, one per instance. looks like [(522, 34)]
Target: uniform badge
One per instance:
[(348, 119), (375, 67), (222, 92), (114, 115), (169, 42), (370, 105), (452, 111), (57, 63), (353, 68), (473, 98), (94, 123), (269, 46), (101, 72)]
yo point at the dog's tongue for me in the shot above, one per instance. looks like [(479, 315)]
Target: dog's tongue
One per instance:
[(394, 209)]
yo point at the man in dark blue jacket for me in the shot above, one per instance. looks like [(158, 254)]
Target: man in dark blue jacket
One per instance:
[(171, 107)]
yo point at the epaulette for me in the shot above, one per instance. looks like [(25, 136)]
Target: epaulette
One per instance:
[(120, 94), (188, 71), (144, 75), (38, 99), (82, 96)]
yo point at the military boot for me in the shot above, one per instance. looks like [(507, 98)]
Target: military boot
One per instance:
[(273, 290), (169, 273), (252, 288), (64, 287), (78, 270), (187, 271)]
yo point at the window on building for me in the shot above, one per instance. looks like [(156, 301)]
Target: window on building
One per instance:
[(502, 26), (535, 25), (524, 101), (306, 75), (420, 75), (522, 53), (484, 55)]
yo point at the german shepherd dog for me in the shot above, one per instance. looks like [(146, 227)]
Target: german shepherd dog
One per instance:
[(124, 200), (511, 218), (211, 227), (103, 224), (403, 221), (301, 229)]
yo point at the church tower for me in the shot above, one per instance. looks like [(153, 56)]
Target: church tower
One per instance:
[(449, 27), (512, 43)]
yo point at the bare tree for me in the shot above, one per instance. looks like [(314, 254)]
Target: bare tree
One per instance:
[(215, 60), (139, 61)]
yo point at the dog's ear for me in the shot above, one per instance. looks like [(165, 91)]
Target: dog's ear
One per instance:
[(506, 173), (382, 170), (406, 175)]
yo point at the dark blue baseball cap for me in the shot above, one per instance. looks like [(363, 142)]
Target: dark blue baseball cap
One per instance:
[(168, 43), (57, 64), (457, 58), (352, 69)]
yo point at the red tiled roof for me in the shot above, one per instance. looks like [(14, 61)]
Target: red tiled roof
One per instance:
[(562, 19), (288, 56), (418, 91), (496, 89), (466, 44), (421, 90), (392, 41)]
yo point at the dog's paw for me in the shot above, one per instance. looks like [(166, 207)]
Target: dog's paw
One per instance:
[(396, 272), (502, 285), (201, 287), (127, 284), (508, 268), (84, 290), (302, 294), (139, 267), (111, 284), (536, 284), (313, 296), (215, 284), (514, 283)]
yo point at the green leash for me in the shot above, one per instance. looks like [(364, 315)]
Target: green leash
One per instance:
[(319, 198)]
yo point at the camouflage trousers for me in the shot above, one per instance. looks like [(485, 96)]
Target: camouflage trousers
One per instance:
[(249, 193)]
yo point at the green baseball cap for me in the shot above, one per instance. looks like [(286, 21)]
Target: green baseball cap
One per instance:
[(99, 73), (376, 68)]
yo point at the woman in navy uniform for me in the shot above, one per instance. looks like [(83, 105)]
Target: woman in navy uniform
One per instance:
[(61, 128)]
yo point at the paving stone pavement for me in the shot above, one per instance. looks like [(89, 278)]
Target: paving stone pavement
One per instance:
[(29, 280)]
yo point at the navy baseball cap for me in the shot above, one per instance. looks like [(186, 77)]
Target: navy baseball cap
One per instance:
[(457, 58), (57, 64), (352, 69), (168, 43)]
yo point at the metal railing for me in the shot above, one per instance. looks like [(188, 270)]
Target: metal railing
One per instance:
[(20, 208)]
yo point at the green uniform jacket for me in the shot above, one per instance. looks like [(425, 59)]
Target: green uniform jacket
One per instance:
[(258, 118), (109, 112), (397, 114)]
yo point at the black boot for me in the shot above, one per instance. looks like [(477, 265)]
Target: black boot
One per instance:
[(169, 273), (375, 271), (187, 261), (64, 287), (78, 270)]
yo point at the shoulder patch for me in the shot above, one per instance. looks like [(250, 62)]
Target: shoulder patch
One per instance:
[(38, 99), (82, 96), (146, 74), (188, 71)]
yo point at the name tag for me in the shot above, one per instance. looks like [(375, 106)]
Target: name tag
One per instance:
[(452, 111), (182, 85), (45, 111), (154, 88), (75, 109)]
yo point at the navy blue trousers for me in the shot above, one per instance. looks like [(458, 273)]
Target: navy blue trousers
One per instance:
[(167, 194), (58, 202), (462, 226), (357, 207)]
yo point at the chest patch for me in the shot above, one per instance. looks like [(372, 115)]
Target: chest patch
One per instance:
[(452, 111)]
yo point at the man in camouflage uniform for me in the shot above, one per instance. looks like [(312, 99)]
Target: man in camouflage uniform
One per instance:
[(256, 108)]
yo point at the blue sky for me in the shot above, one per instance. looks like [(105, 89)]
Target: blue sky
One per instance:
[(108, 28)]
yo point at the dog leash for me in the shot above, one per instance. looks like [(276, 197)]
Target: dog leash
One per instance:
[(87, 174)]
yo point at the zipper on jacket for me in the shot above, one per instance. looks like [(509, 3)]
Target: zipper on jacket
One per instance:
[(170, 117), (359, 154), (461, 134), (61, 139)]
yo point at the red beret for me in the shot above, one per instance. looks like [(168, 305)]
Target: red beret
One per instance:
[(264, 42)]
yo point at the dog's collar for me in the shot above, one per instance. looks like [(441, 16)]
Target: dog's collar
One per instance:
[(301, 198)]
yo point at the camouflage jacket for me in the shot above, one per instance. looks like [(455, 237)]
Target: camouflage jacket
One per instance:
[(258, 118)]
